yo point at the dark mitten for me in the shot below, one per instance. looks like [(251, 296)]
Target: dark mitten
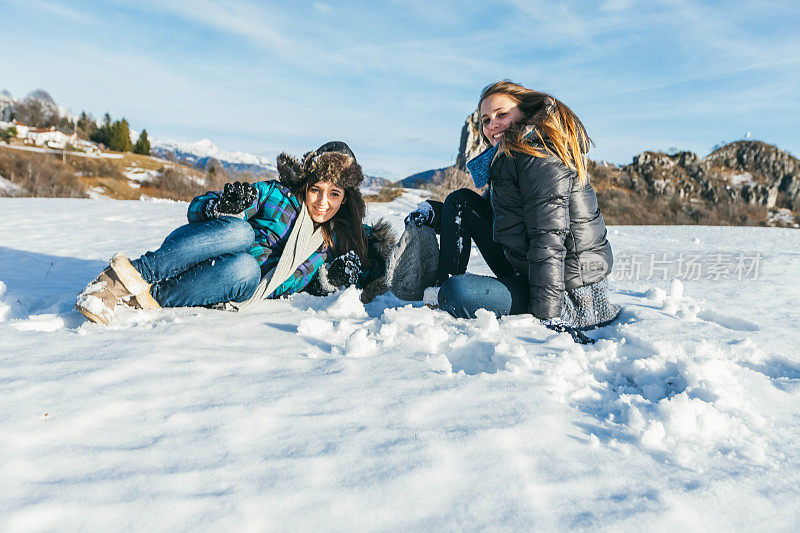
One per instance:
[(427, 213), (576, 334), (236, 197), (318, 286), (345, 270)]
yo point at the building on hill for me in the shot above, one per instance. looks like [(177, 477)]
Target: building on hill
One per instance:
[(22, 129), (50, 137)]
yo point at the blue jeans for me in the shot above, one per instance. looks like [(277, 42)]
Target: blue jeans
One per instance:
[(462, 295), (203, 263)]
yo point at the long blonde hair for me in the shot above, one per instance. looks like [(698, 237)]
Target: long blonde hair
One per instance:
[(558, 128)]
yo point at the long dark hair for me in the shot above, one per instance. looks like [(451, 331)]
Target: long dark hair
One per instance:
[(557, 127), (346, 225), (332, 162)]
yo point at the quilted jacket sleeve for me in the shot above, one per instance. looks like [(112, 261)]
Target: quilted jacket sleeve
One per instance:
[(203, 207), (545, 185)]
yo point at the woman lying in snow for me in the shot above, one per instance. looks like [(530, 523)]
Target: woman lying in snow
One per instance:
[(538, 225), (257, 241)]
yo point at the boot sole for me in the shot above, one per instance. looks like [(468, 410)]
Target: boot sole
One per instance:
[(91, 316)]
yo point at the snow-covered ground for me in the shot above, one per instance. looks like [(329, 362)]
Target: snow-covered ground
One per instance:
[(321, 413), (140, 175), (8, 186), (100, 155)]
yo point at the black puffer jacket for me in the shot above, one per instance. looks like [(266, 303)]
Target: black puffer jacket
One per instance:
[(550, 227)]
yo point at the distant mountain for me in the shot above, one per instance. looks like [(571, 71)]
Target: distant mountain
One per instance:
[(201, 154), (374, 181), (416, 181)]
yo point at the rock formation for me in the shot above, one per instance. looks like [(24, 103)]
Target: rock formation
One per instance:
[(471, 141)]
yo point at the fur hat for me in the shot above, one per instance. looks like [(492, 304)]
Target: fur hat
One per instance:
[(333, 161)]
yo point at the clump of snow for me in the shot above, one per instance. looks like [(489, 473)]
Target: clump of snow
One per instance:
[(360, 344), (347, 304), (656, 293), (145, 198), (431, 296), (781, 217), (141, 175), (97, 193)]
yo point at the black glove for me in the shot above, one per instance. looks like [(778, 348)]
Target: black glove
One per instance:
[(345, 270), (576, 334), (236, 197), (427, 213)]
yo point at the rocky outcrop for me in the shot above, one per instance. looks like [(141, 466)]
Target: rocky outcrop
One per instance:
[(748, 171), (773, 168), (471, 141)]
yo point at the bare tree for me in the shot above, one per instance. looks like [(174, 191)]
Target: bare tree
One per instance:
[(450, 179), (38, 109)]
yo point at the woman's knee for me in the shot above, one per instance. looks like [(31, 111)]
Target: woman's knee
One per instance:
[(236, 231), (236, 234), (243, 268), (462, 296), (460, 197)]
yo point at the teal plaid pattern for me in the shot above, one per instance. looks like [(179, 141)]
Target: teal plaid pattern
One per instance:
[(272, 215)]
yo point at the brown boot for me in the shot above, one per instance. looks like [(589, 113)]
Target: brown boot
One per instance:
[(138, 288), (119, 282)]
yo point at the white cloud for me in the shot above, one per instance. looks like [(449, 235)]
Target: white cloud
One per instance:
[(54, 8), (322, 8)]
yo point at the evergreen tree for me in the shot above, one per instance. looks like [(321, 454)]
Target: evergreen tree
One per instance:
[(86, 126), (119, 138), (143, 144), (102, 135)]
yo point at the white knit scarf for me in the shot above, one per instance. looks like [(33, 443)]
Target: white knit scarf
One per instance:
[(303, 241)]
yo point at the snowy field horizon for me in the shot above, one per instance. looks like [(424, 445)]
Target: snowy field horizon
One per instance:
[(323, 413)]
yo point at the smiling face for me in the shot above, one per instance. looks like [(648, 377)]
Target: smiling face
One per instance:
[(498, 112), (323, 200)]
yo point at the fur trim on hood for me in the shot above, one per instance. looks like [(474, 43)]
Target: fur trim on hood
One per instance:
[(380, 243)]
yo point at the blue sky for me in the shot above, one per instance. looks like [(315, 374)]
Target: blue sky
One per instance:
[(396, 79)]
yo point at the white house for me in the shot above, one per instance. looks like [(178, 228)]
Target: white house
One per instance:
[(50, 137), (22, 129)]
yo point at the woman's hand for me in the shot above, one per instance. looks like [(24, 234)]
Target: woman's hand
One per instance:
[(427, 213), (236, 197), (345, 270)]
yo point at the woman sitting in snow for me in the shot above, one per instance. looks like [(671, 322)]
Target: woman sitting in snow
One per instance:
[(538, 226), (256, 241)]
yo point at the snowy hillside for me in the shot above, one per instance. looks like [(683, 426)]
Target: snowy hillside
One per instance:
[(200, 153), (323, 414)]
